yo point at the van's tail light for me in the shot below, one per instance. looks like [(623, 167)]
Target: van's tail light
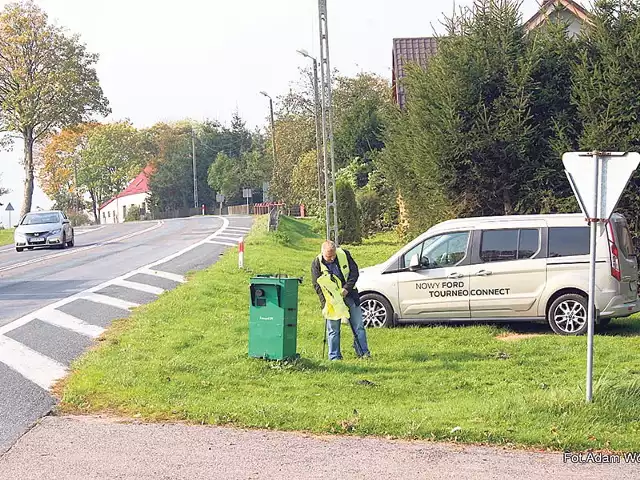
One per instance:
[(615, 258)]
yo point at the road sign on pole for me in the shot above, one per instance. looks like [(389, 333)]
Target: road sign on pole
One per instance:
[(598, 180), (247, 193), (9, 209), (220, 200)]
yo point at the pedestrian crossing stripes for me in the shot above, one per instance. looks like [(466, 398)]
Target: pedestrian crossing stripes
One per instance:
[(43, 370), (143, 287), (69, 322)]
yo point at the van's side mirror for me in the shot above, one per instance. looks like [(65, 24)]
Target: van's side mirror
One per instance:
[(414, 263)]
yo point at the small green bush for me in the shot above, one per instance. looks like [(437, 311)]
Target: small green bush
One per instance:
[(133, 214), (78, 219), (370, 206)]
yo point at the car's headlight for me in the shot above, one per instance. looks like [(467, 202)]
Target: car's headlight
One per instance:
[(55, 232), (18, 236)]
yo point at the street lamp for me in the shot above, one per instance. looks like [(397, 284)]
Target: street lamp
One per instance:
[(273, 127), (316, 92)]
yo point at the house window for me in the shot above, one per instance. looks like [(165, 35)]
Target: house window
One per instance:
[(109, 213)]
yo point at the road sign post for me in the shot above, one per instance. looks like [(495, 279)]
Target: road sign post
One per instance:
[(9, 209), (247, 193), (598, 180), (220, 200)]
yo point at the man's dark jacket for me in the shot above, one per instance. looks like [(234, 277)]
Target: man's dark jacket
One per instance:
[(349, 284)]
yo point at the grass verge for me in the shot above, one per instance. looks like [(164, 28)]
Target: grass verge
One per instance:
[(6, 236), (184, 357)]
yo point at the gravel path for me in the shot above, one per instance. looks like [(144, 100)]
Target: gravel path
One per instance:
[(86, 448)]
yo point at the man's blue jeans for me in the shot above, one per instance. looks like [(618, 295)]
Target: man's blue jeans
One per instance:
[(357, 325)]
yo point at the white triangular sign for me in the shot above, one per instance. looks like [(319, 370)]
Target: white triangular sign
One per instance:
[(615, 171), (9, 207)]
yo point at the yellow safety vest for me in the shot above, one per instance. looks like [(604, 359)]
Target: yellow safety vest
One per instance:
[(334, 307), (343, 262)]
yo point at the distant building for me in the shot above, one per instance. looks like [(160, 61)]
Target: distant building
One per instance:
[(420, 50), (137, 194)]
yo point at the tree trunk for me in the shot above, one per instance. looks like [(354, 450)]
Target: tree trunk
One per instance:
[(508, 206), (27, 199), (94, 203)]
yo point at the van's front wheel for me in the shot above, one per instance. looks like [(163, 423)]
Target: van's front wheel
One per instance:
[(377, 312), (568, 315)]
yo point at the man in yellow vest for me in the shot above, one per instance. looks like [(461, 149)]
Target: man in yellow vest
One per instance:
[(334, 274)]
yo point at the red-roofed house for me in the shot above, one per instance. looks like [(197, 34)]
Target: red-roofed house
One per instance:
[(136, 194), (420, 50)]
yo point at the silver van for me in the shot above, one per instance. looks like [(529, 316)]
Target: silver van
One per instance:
[(510, 268)]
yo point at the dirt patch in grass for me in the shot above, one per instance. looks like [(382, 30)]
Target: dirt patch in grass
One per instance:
[(514, 337)]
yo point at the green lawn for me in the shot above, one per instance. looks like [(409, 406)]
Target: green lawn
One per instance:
[(185, 358), (6, 236)]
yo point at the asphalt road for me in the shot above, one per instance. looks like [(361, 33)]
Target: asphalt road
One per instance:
[(54, 303)]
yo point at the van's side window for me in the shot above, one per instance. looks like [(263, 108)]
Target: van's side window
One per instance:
[(568, 241), (440, 251), (529, 243), (505, 245), (445, 250)]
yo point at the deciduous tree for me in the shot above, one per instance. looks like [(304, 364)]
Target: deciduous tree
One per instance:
[(114, 154), (57, 164), (47, 80)]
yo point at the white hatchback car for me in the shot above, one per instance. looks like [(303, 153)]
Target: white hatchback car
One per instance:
[(511, 268), (44, 229)]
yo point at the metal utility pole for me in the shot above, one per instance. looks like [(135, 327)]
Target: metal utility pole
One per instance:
[(273, 127), (316, 92), (195, 174), (331, 202)]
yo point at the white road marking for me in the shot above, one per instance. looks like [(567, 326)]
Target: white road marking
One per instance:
[(45, 371), (107, 300), (233, 239), (166, 275), (69, 322), (225, 223), (41, 370), (77, 250), (91, 230), (142, 287), (228, 244)]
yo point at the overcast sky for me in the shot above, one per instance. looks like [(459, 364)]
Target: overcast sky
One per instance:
[(163, 60)]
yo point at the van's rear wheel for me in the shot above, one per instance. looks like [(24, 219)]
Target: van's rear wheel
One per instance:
[(377, 312), (568, 315)]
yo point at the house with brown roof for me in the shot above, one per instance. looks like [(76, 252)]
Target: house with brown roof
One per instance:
[(420, 50)]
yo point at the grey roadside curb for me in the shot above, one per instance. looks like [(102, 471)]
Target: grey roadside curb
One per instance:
[(71, 447)]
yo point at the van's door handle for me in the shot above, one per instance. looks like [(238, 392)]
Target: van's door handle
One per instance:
[(483, 273), (456, 275)]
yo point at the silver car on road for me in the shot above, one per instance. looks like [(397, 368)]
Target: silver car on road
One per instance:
[(44, 229)]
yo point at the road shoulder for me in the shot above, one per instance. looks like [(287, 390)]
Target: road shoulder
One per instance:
[(73, 447)]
